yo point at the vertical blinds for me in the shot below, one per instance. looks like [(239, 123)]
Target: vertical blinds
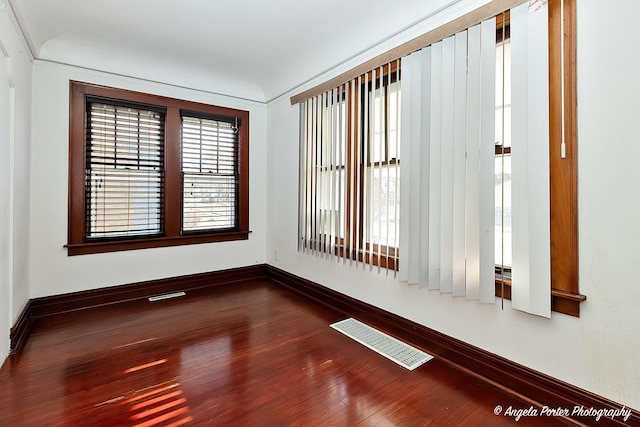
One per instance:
[(448, 126), (209, 173), (349, 170), (448, 234), (124, 171)]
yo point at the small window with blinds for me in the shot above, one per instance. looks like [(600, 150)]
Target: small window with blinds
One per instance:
[(209, 173), (148, 171), (124, 173)]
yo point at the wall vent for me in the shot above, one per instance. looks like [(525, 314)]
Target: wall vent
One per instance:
[(166, 296)]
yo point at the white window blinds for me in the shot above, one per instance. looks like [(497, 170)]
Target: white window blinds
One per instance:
[(124, 171)]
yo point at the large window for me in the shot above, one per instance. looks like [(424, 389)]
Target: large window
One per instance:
[(350, 145), (149, 171)]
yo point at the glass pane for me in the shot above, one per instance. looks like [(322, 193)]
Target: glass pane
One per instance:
[(384, 205), (503, 70), (394, 119), (503, 210), (331, 216), (339, 156), (376, 153), (208, 202), (385, 129)]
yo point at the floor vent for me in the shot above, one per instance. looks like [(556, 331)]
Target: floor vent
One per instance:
[(391, 348), (166, 296)]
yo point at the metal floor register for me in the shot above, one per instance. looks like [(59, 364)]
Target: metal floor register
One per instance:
[(391, 348)]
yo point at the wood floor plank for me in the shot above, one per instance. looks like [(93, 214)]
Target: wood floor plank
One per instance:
[(249, 354)]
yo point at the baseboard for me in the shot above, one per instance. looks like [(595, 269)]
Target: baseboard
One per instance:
[(538, 388), (19, 333), (39, 308)]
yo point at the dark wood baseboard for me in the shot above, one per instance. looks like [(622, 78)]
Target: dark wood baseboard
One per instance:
[(19, 333), (39, 308), (538, 388)]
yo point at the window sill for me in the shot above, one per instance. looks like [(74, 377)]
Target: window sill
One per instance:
[(561, 301), (156, 242), (382, 259)]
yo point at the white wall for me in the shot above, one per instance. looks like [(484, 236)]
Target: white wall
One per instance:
[(15, 113), (5, 207), (609, 187), (600, 351), (52, 271)]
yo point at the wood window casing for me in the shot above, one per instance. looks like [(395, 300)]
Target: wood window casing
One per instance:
[(171, 231)]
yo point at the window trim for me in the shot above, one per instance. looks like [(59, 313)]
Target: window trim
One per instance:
[(172, 236)]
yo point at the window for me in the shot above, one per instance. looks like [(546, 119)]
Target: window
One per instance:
[(149, 171), (125, 163), (350, 166), (209, 173), (445, 229)]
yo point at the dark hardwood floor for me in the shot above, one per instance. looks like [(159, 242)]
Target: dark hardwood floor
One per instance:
[(249, 354)]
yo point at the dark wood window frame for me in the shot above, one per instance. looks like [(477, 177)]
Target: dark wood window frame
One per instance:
[(565, 295), (172, 205)]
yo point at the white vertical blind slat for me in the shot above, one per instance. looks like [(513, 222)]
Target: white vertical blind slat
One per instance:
[(367, 171), (309, 215), (342, 161), (435, 190), (319, 176), (447, 166), (358, 173), (381, 141), (352, 182), (459, 173), (405, 153), (302, 170), (314, 175), (474, 114), (487, 162), (425, 156), (531, 284), (397, 183), (414, 169), (332, 148)]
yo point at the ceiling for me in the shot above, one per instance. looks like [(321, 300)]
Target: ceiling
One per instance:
[(252, 49)]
